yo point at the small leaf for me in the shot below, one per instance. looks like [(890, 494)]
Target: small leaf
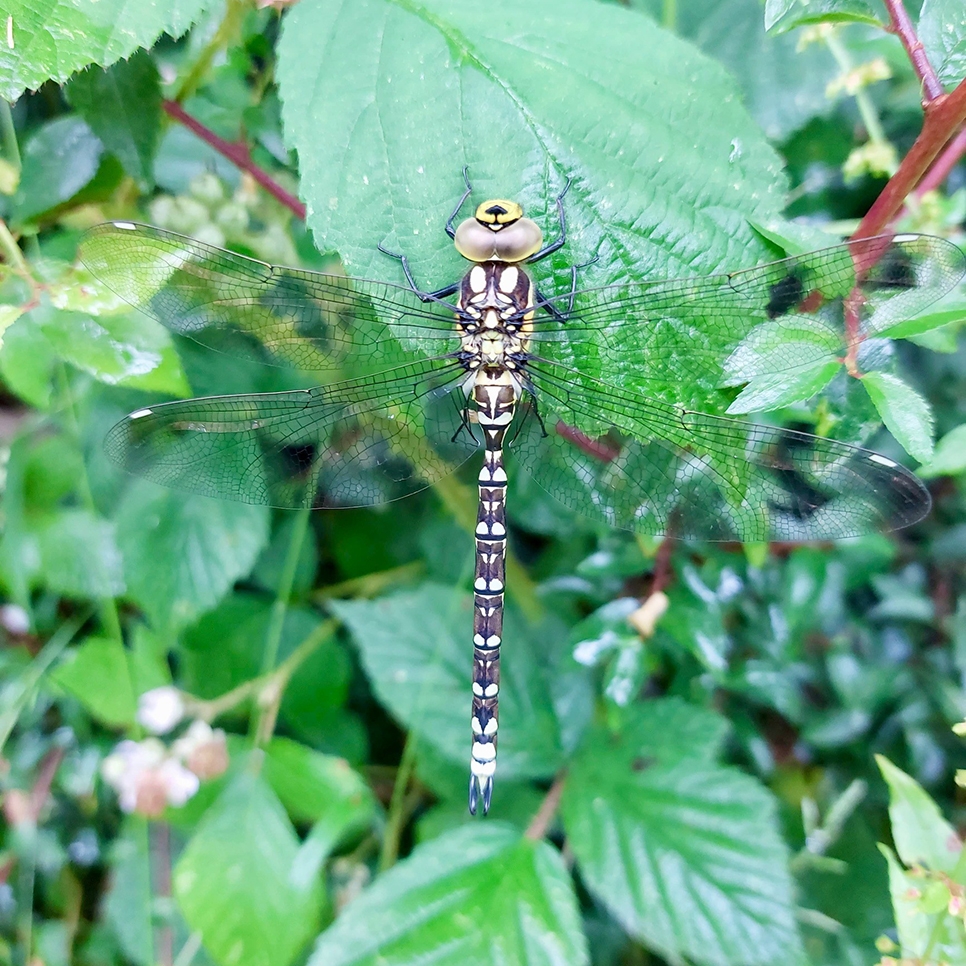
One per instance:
[(182, 553), (123, 107), (922, 836), (59, 159), (318, 788), (768, 392), (806, 12), (949, 458), (924, 323), (478, 895), (905, 413), (234, 880), (685, 853), (97, 674)]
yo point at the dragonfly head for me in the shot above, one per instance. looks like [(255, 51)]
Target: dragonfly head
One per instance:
[(498, 232)]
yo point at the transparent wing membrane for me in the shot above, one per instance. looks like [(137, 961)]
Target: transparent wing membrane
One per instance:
[(351, 444), (643, 465)]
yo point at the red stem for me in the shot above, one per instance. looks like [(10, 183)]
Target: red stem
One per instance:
[(592, 447), (901, 26), (236, 152), (537, 828), (945, 163), (943, 116)]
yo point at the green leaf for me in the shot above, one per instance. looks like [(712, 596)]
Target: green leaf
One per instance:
[(949, 458), (416, 648), (772, 391), (79, 555), (905, 413), (685, 853), (59, 159), (182, 552), (942, 29), (127, 349), (924, 323), (480, 895), (234, 880), (921, 835), (784, 15), (27, 362), (538, 83), (97, 674), (122, 105), (50, 39), (320, 789)]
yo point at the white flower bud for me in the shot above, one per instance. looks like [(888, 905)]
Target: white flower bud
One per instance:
[(160, 709)]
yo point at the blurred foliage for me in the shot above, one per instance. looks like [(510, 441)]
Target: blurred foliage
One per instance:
[(725, 759)]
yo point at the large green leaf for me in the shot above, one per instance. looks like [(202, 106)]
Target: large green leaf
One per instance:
[(123, 107), (667, 165), (684, 852), (417, 650), (50, 39), (234, 881), (481, 895), (79, 554), (97, 674), (905, 413), (182, 553)]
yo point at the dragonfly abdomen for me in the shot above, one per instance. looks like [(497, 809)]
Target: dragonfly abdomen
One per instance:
[(495, 396)]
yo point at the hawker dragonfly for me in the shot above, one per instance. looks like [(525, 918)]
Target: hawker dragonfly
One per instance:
[(581, 388)]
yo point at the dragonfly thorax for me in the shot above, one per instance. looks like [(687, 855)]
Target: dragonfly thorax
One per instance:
[(498, 232)]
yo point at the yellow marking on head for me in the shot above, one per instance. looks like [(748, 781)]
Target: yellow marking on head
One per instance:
[(498, 212)]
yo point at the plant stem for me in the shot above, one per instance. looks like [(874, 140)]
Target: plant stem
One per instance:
[(943, 117), (227, 31), (537, 829), (236, 152), (9, 147), (901, 26), (862, 100), (397, 810)]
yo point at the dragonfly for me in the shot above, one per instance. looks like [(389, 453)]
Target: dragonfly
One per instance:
[(579, 389)]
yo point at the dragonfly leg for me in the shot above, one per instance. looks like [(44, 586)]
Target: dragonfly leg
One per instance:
[(450, 230), (560, 241), (541, 303), (441, 293)]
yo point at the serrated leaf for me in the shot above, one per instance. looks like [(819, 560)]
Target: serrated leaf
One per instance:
[(481, 894), (416, 648), (234, 880), (921, 835), (905, 413), (182, 552), (122, 105), (79, 555), (59, 159), (541, 107), (685, 853), (949, 457), (50, 39), (772, 391), (97, 674), (924, 323)]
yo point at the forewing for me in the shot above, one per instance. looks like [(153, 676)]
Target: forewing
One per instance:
[(309, 320), (644, 465), (704, 333), (354, 443)]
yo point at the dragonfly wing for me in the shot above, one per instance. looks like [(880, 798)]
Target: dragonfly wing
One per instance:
[(349, 444), (310, 320), (654, 467), (781, 317)]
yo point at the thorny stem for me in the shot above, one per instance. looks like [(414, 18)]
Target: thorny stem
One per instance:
[(943, 116), (237, 152), (901, 26), (537, 828)]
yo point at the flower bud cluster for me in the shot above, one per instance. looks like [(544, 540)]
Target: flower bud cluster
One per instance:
[(148, 775)]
